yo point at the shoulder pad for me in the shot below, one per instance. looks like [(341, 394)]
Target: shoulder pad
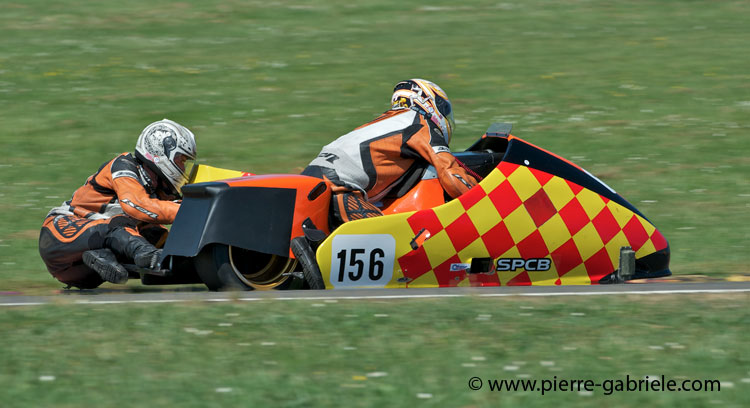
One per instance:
[(124, 166)]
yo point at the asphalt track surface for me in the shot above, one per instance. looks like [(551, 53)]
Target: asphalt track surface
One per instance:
[(192, 294)]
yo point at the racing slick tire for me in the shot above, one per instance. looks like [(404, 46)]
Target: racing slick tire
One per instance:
[(303, 252), (226, 268)]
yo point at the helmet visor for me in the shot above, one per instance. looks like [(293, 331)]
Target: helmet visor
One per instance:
[(446, 109), (184, 162), (444, 106)]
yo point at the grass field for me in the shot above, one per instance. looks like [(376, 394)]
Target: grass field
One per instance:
[(373, 353), (651, 96)]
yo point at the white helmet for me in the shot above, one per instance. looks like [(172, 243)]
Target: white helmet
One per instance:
[(168, 149), (428, 97)]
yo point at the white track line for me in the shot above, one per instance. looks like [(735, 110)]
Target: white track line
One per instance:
[(24, 304), (453, 295), (628, 292), (382, 297)]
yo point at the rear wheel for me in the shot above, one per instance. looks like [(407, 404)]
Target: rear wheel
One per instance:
[(224, 267)]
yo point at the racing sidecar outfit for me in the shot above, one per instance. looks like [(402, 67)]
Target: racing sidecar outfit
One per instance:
[(365, 164), (119, 207)]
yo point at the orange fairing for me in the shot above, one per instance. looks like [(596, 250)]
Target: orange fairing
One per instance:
[(426, 194), (312, 200)]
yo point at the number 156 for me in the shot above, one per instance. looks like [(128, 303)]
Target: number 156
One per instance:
[(357, 258)]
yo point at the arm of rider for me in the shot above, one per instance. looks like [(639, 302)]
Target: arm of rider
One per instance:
[(454, 179), (137, 203)]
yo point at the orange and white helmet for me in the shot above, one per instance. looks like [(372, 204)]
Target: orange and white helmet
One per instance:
[(168, 149), (428, 97)]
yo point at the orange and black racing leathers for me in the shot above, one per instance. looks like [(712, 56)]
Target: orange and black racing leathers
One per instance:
[(122, 196), (366, 163)]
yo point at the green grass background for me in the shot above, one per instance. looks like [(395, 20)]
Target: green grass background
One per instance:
[(651, 96), (389, 353)]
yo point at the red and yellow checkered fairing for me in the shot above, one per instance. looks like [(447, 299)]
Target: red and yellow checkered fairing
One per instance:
[(516, 212)]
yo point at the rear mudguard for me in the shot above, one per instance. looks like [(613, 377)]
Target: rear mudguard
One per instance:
[(536, 219), (259, 213)]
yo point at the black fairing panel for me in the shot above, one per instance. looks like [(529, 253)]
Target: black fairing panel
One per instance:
[(255, 218), (481, 162), (652, 266), (655, 265), (524, 154)]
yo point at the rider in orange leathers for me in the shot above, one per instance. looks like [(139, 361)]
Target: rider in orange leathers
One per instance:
[(106, 223), (364, 164)]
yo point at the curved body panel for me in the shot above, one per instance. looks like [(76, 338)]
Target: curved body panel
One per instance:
[(536, 219)]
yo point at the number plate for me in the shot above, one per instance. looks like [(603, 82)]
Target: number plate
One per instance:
[(362, 260)]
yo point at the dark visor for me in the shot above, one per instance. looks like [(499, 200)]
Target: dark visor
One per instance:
[(444, 107)]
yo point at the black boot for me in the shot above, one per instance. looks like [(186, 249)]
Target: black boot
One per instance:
[(104, 262), (134, 247)]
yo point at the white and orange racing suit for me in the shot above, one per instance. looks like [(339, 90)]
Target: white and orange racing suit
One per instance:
[(366, 163)]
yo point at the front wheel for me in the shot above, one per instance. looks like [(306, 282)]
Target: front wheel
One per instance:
[(304, 253), (224, 267)]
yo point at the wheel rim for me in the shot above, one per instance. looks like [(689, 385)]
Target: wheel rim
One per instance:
[(260, 271)]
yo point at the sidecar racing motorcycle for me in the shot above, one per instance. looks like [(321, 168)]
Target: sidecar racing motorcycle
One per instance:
[(534, 219)]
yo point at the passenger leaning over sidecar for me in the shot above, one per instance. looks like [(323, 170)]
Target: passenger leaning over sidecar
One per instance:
[(366, 163), (84, 241)]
